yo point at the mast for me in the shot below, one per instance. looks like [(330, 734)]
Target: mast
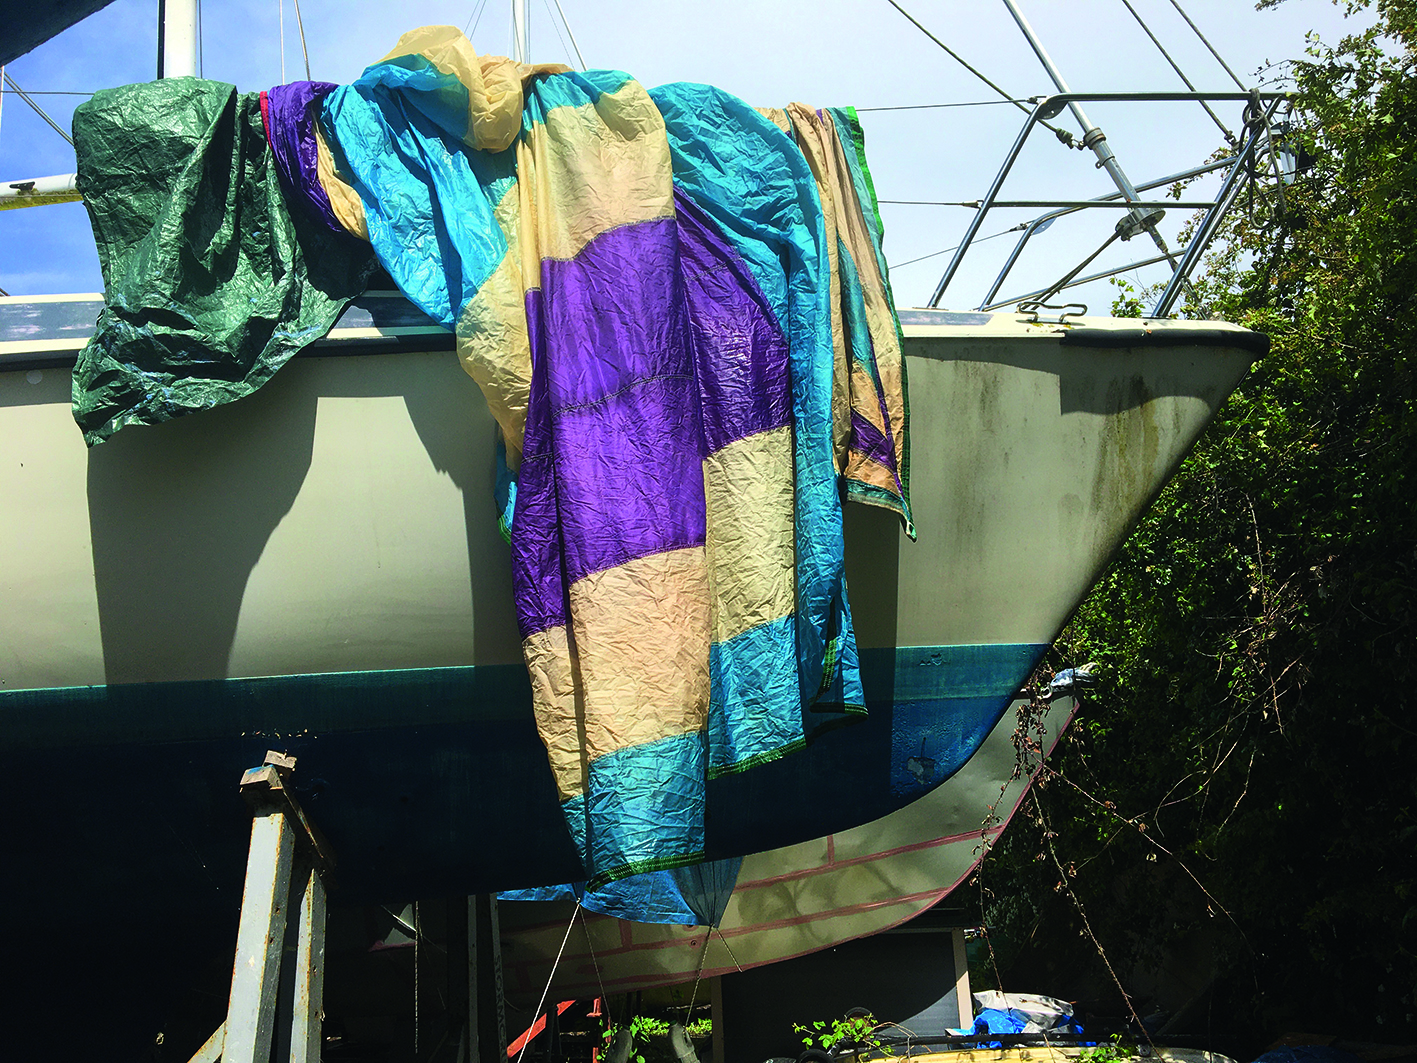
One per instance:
[(1138, 219), (177, 38), (521, 29)]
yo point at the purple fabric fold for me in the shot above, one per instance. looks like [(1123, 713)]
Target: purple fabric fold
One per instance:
[(629, 475), (291, 113), (614, 314), (867, 439), (740, 352), (651, 349), (538, 574)]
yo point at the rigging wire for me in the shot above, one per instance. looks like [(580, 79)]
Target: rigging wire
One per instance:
[(1211, 47), (1229, 136), (537, 1014), (694, 997), (1061, 134), (571, 35), (595, 962), (549, 14), (936, 106), (300, 25), (473, 20), (729, 947), (22, 94), (936, 254), (689, 1015), (281, 5), (1062, 283)]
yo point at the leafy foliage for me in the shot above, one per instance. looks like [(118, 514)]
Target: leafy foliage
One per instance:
[(857, 1028), (647, 1032), (1111, 1051), (1243, 785)]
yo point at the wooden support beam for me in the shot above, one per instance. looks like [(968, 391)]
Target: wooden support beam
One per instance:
[(962, 995), (210, 1052), (260, 939), (308, 1001), (277, 1000)]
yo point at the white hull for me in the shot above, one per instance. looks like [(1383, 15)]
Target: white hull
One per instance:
[(341, 518)]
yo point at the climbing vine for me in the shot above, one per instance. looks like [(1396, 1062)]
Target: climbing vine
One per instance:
[(1240, 784)]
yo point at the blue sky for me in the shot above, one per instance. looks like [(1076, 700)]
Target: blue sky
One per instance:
[(824, 52)]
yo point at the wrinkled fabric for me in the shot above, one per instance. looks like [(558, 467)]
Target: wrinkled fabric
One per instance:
[(211, 282), (645, 288), (291, 113), (870, 406), (875, 460), (696, 895)]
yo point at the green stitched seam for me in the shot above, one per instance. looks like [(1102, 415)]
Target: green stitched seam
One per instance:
[(640, 867), (765, 757), (829, 663), (858, 140)]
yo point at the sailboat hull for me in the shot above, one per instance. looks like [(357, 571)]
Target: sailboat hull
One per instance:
[(318, 569)]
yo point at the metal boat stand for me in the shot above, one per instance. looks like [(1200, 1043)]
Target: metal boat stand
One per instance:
[(276, 993)]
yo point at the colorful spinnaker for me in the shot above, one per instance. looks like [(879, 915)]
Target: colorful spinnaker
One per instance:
[(687, 357), (677, 309)]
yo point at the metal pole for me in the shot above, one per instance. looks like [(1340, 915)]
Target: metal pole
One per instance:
[(1201, 240), (985, 204), (260, 938), (177, 39), (37, 191), (308, 1001), (1092, 136), (1041, 222), (1038, 293), (521, 27), (1036, 225)]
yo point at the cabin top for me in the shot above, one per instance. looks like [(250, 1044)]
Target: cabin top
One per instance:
[(49, 331)]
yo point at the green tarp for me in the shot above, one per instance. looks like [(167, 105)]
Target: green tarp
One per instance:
[(211, 283)]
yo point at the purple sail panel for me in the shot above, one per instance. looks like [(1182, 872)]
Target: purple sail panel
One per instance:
[(619, 369), (629, 473), (867, 439), (538, 580), (614, 314), (291, 112), (740, 353)]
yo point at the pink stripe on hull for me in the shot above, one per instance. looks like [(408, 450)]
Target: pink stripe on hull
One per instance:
[(912, 900), (913, 847)]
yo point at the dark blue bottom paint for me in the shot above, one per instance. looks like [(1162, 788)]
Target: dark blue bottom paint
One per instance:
[(127, 843)]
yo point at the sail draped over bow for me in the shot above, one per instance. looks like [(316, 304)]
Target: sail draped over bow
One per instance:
[(677, 310), (674, 338)]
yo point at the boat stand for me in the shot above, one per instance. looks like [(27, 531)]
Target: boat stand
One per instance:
[(277, 992), (476, 1030)]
